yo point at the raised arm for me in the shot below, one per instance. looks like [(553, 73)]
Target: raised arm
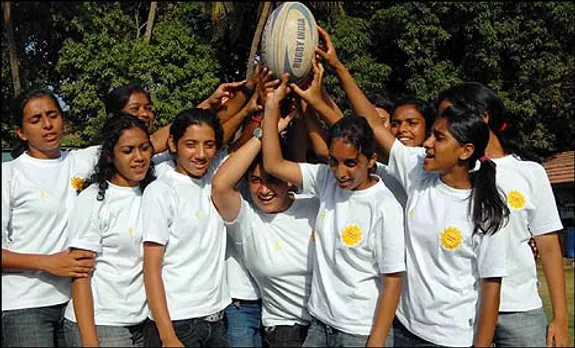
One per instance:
[(316, 98), (359, 102), (274, 163), (226, 198), (316, 134), (231, 126), (235, 100)]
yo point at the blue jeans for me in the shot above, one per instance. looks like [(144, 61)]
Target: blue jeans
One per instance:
[(34, 327), (322, 335), (243, 323), (191, 332), (402, 337), (108, 336), (521, 329)]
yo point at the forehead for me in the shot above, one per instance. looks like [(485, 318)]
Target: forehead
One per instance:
[(200, 132), (441, 125), (343, 150), (404, 112), (132, 135), (39, 105), (138, 98)]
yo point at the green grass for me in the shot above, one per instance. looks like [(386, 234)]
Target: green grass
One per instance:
[(568, 269)]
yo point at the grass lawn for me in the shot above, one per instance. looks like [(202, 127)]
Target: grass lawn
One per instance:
[(568, 268)]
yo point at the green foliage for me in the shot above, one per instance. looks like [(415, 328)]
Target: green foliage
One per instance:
[(177, 66)]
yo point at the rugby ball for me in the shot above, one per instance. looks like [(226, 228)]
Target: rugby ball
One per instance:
[(289, 40)]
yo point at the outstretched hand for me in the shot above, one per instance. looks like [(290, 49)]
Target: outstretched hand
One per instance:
[(224, 90), (313, 94), (281, 91), (329, 54)]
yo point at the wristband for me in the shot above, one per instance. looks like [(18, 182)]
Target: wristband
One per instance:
[(257, 119)]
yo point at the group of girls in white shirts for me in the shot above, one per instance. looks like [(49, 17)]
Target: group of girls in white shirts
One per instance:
[(125, 244)]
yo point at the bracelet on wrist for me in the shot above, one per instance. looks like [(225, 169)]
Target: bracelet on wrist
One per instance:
[(257, 119)]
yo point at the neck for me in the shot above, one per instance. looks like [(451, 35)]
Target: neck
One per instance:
[(494, 148), (52, 154), (457, 178)]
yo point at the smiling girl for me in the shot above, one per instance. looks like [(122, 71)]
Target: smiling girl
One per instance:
[(185, 241), (359, 243), (109, 307)]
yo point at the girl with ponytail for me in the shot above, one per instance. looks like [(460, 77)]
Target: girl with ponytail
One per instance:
[(534, 214), (455, 225)]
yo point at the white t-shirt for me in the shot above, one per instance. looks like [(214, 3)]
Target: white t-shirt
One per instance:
[(37, 195), (278, 251), (177, 212), (445, 261), (392, 184), (358, 236), (240, 282), (533, 212), (108, 228)]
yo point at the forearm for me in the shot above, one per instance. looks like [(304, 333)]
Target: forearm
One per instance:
[(272, 154), (246, 134), (156, 296), (232, 106), (326, 112), (235, 166), (23, 262), (160, 139), (552, 262), (363, 107), (84, 310), (231, 126), (488, 311), (386, 308), (317, 136)]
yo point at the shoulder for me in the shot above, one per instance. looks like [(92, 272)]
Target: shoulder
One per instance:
[(160, 186)]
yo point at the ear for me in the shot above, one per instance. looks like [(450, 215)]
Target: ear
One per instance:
[(485, 117), (171, 144), (371, 161), (20, 134), (466, 151)]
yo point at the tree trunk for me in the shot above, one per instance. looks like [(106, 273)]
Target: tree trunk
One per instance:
[(257, 37), (150, 23), (6, 7)]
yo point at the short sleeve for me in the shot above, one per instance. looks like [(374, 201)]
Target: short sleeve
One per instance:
[(241, 229), (545, 217), (313, 178), (220, 158), (406, 164), (388, 238), (85, 159), (162, 157), (156, 213), (491, 253), (84, 228)]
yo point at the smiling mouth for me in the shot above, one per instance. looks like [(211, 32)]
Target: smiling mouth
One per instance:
[(266, 199), (51, 136)]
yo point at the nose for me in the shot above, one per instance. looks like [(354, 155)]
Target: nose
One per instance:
[(201, 153), (402, 127), (428, 143), (47, 122), (340, 171), (139, 156)]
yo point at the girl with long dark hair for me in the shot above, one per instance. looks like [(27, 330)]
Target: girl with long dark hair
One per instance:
[(108, 308)]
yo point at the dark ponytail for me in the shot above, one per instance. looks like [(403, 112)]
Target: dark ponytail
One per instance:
[(488, 207), (482, 99)]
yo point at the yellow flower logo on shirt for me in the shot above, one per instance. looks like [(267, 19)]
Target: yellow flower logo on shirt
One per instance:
[(77, 183), (43, 194), (131, 232), (451, 238), (351, 235), (277, 246), (516, 200)]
